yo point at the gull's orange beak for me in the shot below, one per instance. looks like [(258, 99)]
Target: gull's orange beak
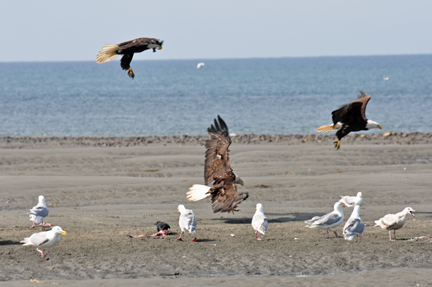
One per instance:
[(380, 127), (63, 232)]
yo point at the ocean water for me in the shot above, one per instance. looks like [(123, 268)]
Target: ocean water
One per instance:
[(173, 97)]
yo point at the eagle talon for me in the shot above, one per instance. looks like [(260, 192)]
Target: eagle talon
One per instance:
[(232, 210), (131, 73), (337, 144)]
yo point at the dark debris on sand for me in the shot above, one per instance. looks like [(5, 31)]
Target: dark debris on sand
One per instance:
[(105, 141)]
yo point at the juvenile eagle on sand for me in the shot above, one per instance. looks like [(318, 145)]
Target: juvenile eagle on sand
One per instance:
[(109, 52), (350, 118), (217, 170)]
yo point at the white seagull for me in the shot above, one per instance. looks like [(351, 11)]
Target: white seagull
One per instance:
[(330, 220), (352, 200), (259, 221), (394, 221), (39, 212), (186, 221), (44, 239), (200, 65), (354, 225)]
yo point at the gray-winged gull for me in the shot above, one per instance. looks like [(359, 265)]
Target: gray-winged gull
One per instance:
[(45, 239), (352, 200), (328, 221), (259, 221), (394, 221), (354, 225), (38, 213), (186, 221)]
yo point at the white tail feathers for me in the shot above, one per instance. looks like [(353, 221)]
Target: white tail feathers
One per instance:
[(26, 241), (108, 53), (198, 192), (35, 218), (326, 128)]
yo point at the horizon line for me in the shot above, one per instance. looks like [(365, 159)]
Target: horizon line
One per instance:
[(245, 58)]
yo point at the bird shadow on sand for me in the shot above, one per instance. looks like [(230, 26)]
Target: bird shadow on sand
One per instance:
[(9, 242), (206, 240), (283, 217)]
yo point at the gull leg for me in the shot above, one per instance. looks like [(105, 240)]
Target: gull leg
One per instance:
[(180, 239), (260, 239), (34, 223), (256, 234), (41, 252), (47, 255), (131, 73), (328, 234), (390, 236), (337, 144), (195, 239), (232, 210), (332, 231)]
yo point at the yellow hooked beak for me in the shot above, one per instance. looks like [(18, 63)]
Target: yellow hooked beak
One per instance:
[(242, 183), (160, 47), (380, 127), (63, 232)]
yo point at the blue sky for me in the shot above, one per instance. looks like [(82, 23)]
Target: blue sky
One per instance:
[(48, 30)]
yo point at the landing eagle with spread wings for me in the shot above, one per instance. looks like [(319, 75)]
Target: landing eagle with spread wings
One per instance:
[(350, 118), (109, 52), (217, 170)]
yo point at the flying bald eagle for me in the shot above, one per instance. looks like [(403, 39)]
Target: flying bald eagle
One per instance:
[(217, 170), (350, 118), (109, 52)]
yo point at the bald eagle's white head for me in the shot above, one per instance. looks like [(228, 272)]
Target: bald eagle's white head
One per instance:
[(372, 125)]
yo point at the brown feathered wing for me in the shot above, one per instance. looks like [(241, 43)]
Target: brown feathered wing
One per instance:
[(354, 112), (218, 171)]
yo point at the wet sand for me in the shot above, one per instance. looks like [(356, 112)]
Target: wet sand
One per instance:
[(102, 189)]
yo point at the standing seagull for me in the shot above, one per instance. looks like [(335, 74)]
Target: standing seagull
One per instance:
[(39, 212), (350, 118), (109, 52), (354, 225), (352, 200), (44, 239), (259, 221), (186, 221), (330, 220), (217, 170), (394, 221)]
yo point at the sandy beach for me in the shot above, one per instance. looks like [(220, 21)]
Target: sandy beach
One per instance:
[(102, 189)]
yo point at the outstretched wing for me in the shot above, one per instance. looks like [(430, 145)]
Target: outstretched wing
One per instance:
[(134, 44), (347, 113), (363, 98), (217, 163), (225, 196), (354, 112), (137, 45)]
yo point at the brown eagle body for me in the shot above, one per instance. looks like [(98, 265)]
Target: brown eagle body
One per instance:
[(109, 52), (350, 118), (217, 170)]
